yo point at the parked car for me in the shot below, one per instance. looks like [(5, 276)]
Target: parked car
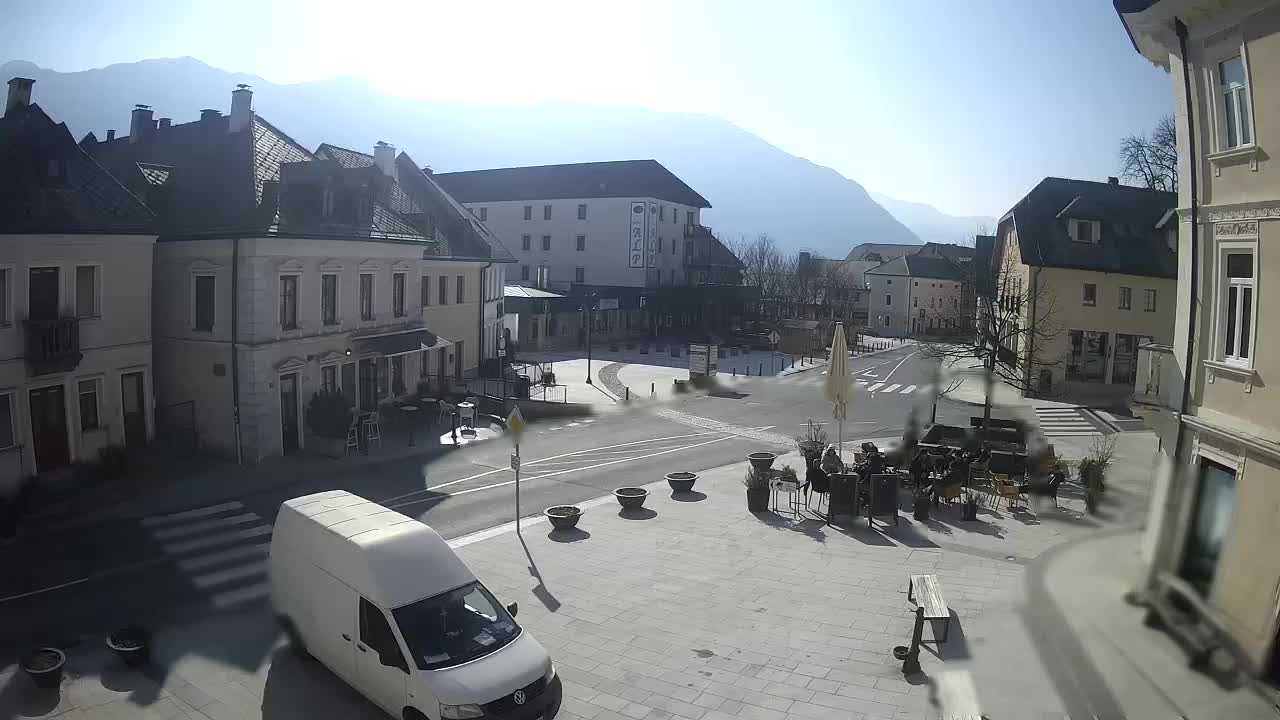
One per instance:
[(381, 600)]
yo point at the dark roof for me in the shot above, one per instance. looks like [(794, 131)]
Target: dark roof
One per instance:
[(471, 237), (884, 251), (896, 266), (958, 253), (620, 178), (983, 247), (351, 159), (48, 184), (1128, 243), (920, 266)]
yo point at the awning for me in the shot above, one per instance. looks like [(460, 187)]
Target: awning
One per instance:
[(401, 343)]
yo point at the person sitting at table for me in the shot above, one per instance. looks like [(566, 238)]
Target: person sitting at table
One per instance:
[(831, 462), (919, 466)]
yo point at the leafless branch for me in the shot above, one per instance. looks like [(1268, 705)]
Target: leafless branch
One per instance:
[(1152, 160)]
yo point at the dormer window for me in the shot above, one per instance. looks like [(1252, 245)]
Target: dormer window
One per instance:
[(326, 205), (1084, 231)]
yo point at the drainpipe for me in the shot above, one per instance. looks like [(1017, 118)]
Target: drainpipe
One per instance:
[(480, 320), (1031, 335), (235, 355), (1161, 551)]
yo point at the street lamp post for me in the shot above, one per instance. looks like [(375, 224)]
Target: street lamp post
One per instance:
[(591, 308)]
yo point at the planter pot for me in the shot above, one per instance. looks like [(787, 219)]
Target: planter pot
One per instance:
[(757, 500), (44, 667), (969, 511), (1091, 498), (131, 644), (681, 482), (920, 510), (563, 517), (762, 460), (631, 498)]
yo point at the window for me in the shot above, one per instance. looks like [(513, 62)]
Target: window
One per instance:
[(544, 276), (5, 285), (329, 379), (7, 439), (425, 291), (688, 218), (582, 211), (546, 242), (673, 246), (1215, 499), (461, 291), (533, 330), (397, 294), (659, 244), (888, 282), (1148, 301), (931, 302), (579, 275), (366, 296), (915, 302), (546, 212), (1088, 356), (87, 291), (484, 214), (288, 302), (88, 405), (1126, 298), (326, 203), (203, 291), (443, 296), (888, 299), (397, 375), (886, 321), (662, 212), (329, 299), (1084, 232), (375, 632), (528, 215), (1090, 294), (524, 272), (525, 241), (1235, 321), (674, 214), (1234, 100), (915, 283), (955, 303), (582, 243)]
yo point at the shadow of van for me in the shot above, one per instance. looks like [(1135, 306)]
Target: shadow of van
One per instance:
[(301, 688)]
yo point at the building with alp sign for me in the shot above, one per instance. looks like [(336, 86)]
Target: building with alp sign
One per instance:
[(624, 236)]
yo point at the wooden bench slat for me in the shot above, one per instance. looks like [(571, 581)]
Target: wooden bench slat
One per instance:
[(929, 596)]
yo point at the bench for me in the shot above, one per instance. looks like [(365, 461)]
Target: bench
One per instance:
[(925, 592), (1174, 606)]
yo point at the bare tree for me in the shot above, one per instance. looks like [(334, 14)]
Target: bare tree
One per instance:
[(1152, 160), (1013, 325)]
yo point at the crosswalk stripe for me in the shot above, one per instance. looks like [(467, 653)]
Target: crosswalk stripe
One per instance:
[(235, 573), (204, 561), (244, 594), (219, 539), (892, 388), (1072, 434), (908, 389), (172, 533), (875, 387), (192, 514)]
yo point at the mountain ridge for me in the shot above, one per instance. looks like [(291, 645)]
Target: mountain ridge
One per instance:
[(754, 187)]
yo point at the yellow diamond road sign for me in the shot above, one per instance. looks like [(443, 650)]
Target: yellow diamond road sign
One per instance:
[(515, 424)]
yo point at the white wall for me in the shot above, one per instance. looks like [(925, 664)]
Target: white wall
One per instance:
[(607, 229), (898, 288)]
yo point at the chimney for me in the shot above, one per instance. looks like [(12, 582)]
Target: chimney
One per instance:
[(241, 108), (384, 158), (208, 114), (165, 122), (111, 135), (19, 93), (427, 169), (140, 122), (1112, 180)]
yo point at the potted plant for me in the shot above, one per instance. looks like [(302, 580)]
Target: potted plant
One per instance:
[(921, 500), (132, 644), (563, 517), (762, 460), (631, 498), (969, 506), (757, 484), (329, 417), (681, 482), (548, 377), (1092, 470), (44, 666), (812, 442)]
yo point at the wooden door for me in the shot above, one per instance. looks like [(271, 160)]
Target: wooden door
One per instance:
[(49, 428), (133, 399), (289, 413)]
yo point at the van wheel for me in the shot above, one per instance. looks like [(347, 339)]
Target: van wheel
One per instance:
[(412, 714), (295, 639)]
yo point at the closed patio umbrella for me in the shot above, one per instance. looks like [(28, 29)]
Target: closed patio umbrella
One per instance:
[(838, 383)]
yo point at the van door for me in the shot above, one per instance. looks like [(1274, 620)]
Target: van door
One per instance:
[(380, 664), (330, 630)]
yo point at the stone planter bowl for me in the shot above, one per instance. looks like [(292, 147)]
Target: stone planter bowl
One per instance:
[(44, 666), (681, 482), (762, 460), (563, 517), (631, 498), (131, 644)]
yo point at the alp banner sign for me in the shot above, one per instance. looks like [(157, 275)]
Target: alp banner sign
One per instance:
[(651, 234), (635, 253)]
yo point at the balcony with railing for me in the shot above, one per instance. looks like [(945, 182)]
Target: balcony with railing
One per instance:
[(53, 346)]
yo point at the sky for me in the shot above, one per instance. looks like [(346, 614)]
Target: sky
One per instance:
[(961, 105)]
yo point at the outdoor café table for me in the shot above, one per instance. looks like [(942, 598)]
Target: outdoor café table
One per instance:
[(410, 413), (467, 413)]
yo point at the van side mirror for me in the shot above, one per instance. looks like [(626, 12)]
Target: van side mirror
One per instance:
[(513, 608)]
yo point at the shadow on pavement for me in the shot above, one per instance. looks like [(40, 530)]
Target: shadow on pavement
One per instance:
[(955, 648), (637, 514), (568, 535), (540, 590), (691, 496), (300, 689), (20, 698)]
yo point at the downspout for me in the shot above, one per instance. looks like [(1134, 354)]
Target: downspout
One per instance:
[(235, 355), (1031, 336), (484, 289)]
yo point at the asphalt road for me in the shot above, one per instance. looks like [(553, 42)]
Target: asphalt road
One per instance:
[(212, 558)]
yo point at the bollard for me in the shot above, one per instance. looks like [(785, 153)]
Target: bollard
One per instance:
[(735, 371), (628, 394), (651, 389), (760, 370)]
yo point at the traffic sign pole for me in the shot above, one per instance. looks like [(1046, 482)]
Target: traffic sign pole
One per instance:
[(515, 465), (515, 428)]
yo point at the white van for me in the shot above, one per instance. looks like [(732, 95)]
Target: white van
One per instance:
[(384, 603)]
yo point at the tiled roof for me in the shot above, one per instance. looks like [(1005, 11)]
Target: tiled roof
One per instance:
[(621, 179), (885, 251), (48, 184), (347, 158), (526, 292), (947, 250), (921, 265), (1128, 243), (155, 174), (475, 238)]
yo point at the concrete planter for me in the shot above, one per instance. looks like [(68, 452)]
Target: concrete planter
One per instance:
[(44, 667), (631, 498), (757, 500), (681, 482), (563, 517), (762, 460), (131, 644)]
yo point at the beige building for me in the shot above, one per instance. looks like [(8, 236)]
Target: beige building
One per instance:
[(1213, 520), (282, 273), (75, 301), (1091, 267), (926, 293)]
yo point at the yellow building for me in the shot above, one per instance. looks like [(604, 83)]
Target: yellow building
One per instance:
[(1216, 511)]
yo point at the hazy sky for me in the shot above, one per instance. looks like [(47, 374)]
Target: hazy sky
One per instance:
[(963, 105)]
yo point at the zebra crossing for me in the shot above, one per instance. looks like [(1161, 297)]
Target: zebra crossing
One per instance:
[(222, 549), (871, 386), (1066, 422)]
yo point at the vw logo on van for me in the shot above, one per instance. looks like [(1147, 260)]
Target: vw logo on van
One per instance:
[(518, 697)]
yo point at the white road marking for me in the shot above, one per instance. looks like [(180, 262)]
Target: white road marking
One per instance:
[(203, 561), (173, 533), (892, 388), (875, 387), (192, 514), (219, 539), (900, 362), (908, 389), (240, 595), (236, 573)]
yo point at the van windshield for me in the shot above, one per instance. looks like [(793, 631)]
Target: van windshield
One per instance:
[(455, 627)]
